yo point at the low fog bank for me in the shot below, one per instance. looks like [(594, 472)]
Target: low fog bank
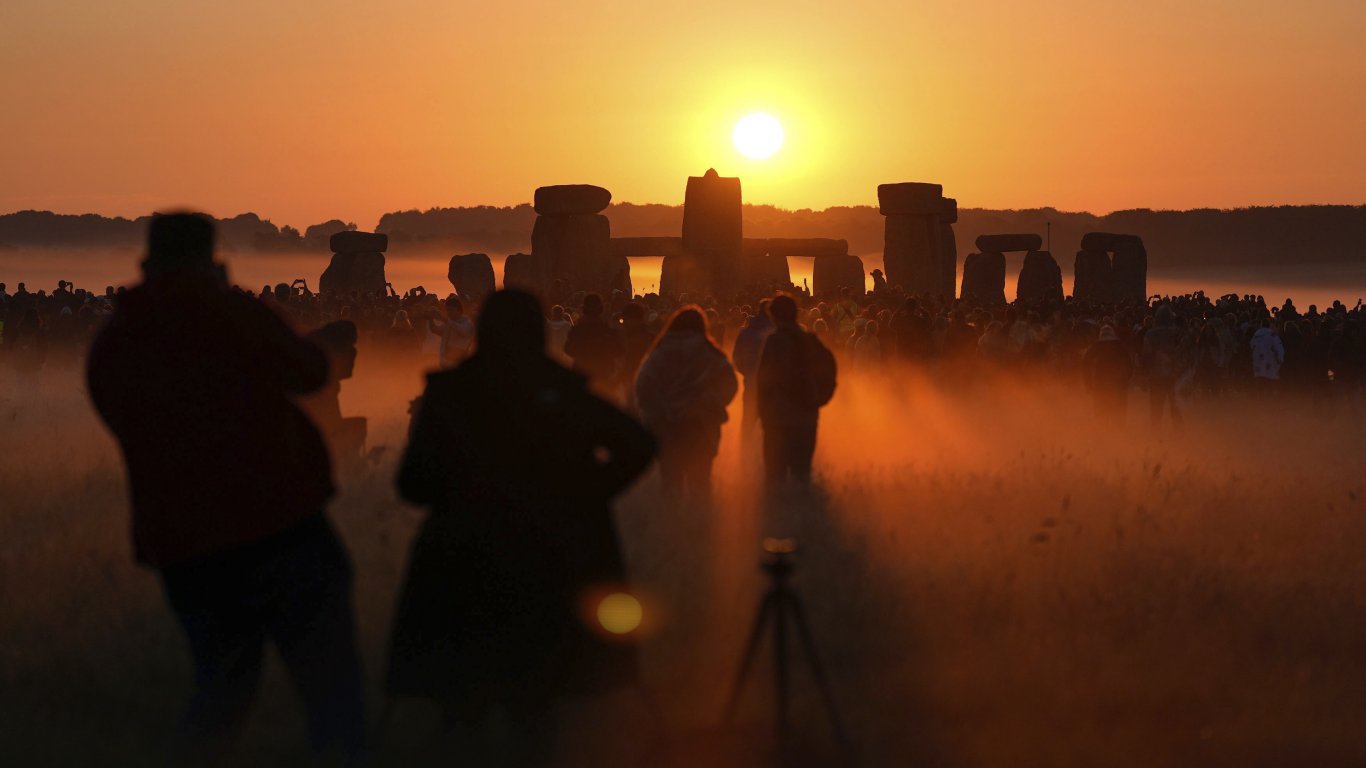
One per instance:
[(992, 577), (408, 266)]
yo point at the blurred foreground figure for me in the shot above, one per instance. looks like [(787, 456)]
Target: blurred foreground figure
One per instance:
[(682, 390), (1107, 368), (518, 463), (228, 480), (345, 436), (796, 377)]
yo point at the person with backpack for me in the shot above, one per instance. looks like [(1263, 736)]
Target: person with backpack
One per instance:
[(796, 378)]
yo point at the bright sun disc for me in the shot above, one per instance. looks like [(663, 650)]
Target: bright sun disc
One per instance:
[(758, 135)]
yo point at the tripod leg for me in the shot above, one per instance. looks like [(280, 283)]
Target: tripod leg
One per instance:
[(817, 671), (782, 680), (751, 649)]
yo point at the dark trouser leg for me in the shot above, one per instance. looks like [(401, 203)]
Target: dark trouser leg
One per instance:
[(775, 454), (749, 414), (226, 643), (312, 622), (803, 450)]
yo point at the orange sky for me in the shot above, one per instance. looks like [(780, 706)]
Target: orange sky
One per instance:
[(308, 110)]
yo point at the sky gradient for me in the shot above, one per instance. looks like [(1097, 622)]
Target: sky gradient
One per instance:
[(310, 110)]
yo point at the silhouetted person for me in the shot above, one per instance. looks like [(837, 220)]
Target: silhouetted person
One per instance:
[(1268, 353), (344, 436), (229, 480), (518, 463), (26, 348), (796, 377), (1163, 361), (749, 345), (682, 390), (456, 332), (594, 345), (1108, 368)]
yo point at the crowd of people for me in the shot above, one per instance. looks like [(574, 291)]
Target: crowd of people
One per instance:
[(531, 422)]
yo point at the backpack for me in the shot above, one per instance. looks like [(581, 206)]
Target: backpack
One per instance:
[(819, 363)]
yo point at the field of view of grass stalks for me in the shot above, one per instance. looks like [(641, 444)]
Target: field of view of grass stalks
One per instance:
[(991, 577)]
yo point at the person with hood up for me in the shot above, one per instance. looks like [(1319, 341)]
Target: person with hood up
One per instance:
[(682, 390)]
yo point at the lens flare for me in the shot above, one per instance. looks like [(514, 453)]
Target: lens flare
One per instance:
[(619, 613)]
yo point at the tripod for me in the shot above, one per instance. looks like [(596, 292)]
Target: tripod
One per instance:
[(779, 606)]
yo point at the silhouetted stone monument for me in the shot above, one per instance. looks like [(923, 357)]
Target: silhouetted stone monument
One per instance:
[(919, 252), (1101, 278), (572, 240), (832, 272), (357, 264), (471, 274), (713, 228), (1040, 279), (524, 271), (984, 279)]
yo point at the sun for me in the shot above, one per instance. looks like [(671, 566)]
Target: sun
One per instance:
[(758, 135)]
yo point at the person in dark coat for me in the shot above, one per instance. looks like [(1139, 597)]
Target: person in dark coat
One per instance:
[(518, 463), (796, 377), (594, 345), (229, 480), (1108, 367), (682, 390)]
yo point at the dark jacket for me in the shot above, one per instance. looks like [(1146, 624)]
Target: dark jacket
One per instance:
[(518, 463), (195, 383), (785, 381)]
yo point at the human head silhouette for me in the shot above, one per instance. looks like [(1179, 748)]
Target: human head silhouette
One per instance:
[(511, 325), (179, 243), (783, 310)]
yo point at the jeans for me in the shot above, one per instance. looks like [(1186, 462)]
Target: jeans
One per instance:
[(293, 589)]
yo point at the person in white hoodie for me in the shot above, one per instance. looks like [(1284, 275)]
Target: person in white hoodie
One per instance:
[(1267, 355)]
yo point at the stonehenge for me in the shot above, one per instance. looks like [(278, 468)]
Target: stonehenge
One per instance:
[(832, 272), (1040, 279), (471, 274), (984, 279), (523, 271), (713, 228), (357, 264), (1100, 277), (571, 240), (919, 250)]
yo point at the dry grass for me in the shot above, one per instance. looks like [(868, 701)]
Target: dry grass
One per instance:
[(992, 580)]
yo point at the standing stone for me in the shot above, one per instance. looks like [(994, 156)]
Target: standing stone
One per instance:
[(919, 250), (831, 273), (713, 228), (984, 279), (471, 274), (910, 255), (681, 274), (1040, 279), (357, 264), (762, 269), (948, 260), (525, 272), (1092, 279), (1130, 270), (576, 249)]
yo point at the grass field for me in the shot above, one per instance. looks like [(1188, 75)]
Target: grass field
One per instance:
[(992, 579)]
